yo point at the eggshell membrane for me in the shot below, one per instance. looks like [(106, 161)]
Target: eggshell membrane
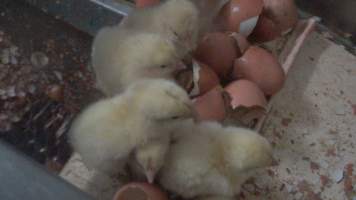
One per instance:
[(207, 78), (140, 191), (218, 51), (210, 106), (245, 93), (284, 13), (261, 67), (145, 3), (240, 15), (242, 43)]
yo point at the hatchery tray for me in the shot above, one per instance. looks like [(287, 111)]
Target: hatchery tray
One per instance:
[(285, 48), (47, 114), (86, 15)]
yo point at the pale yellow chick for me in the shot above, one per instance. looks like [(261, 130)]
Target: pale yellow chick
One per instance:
[(107, 132), (177, 20), (211, 160), (148, 159), (121, 57)]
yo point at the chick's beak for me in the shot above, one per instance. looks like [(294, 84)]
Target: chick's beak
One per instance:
[(150, 175)]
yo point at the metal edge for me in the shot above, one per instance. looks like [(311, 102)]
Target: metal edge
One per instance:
[(22, 178), (86, 15)]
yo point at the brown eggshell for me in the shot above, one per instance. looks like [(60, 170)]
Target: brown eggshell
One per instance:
[(145, 3), (218, 51), (266, 30), (240, 15), (283, 12), (261, 67), (205, 78), (242, 43), (211, 106), (245, 93), (140, 191)]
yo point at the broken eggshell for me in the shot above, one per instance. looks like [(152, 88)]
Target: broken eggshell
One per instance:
[(242, 43), (261, 67), (198, 79), (277, 19), (140, 191), (204, 79), (282, 12), (240, 15), (245, 93), (266, 30), (218, 51), (212, 106)]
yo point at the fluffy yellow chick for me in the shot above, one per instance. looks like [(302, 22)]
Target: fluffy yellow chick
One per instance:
[(177, 20), (148, 159), (121, 57), (213, 160), (107, 132)]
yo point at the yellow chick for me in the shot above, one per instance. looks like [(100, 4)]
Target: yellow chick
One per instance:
[(213, 160), (177, 20), (121, 57), (107, 132), (148, 159)]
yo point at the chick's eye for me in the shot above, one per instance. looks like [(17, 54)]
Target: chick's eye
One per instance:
[(175, 117), (163, 66)]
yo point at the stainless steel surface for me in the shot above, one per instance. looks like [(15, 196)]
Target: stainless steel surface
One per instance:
[(86, 15)]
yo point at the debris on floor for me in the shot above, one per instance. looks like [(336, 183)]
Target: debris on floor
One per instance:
[(44, 82), (314, 136)]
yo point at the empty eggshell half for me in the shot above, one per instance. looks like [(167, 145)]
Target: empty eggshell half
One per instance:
[(266, 30), (260, 67), (245, 93), (204, 79), (218, 51), (211, 106), (283, 13), (140, 191), (242, 43), (240, 15)]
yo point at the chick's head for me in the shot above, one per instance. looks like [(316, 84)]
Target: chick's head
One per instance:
[(182, 23), (150, 158), (150, 56), (162, 100)]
